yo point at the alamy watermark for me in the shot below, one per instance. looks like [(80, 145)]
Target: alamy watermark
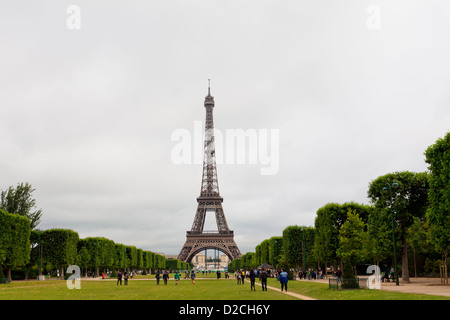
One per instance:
[(235, 146), (374, 281), (73, 21), (74, 281), (373, 21)]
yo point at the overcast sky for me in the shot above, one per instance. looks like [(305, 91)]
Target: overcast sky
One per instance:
[(90, 100)]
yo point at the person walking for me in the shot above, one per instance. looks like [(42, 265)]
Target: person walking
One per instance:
[(176, 276), (237, 274), (125, 278), (166, 276), (283, 278), (193, 276), (119, 278), (252, 277), (339, 274), (157, 276), (263, 276)]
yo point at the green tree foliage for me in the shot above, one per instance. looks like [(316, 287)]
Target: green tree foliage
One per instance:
[(59, 247), (151, 260), (235, 264), (275, 251), (121, 262), (264, 252), (248, 260), (438, 215), (309, 239), (408, 200), (328, 222), (417, 239), (160, 261), (256, 258), (326, 236), (379, 230), (139, 259), (132, 256), (173, 264), (292, 246), (14, 241), (84, 257), (352, 238), (19, 200)]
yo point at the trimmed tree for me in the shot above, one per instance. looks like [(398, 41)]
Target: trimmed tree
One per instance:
[(14, 241), (408, 200), (438, 215), (59, 247), (352, 238), (275, 249), (292, 246)]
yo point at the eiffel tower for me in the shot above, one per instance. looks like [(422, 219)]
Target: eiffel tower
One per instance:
[(209, 202)]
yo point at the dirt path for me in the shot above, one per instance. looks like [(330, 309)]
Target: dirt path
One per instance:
[(296, 295), (430, 286)]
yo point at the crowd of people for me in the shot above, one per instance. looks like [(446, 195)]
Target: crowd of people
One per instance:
[(311, 274), (252, 274), (240, 276)]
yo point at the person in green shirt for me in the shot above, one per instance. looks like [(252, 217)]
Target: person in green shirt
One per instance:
[(176, 277)]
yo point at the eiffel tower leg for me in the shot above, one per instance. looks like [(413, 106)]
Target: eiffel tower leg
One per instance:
[(199, 220), (220, 219)]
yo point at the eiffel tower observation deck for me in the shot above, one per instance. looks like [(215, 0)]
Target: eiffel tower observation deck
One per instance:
[(209, 202)]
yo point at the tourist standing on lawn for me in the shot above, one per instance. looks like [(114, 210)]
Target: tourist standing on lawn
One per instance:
[(176, 277), (157, 276), (252, 277), (166, 276), (119, 278), (339, 274), (263, 276), (237, 274), (283, 278), (193, 276)]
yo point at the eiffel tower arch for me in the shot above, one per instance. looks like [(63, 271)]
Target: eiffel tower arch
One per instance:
[(209, 202)]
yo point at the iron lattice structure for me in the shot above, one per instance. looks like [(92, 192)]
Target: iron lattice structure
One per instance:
[(209, 202)]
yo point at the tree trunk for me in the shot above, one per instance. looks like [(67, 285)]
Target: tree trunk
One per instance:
[(405, 273), (8, 273)]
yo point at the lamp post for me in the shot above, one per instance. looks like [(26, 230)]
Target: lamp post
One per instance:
[(96, 258), (389, 187), (39, 255), (303, 247)]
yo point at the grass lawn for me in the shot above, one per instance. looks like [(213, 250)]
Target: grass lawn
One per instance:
[(204, 289), (320, 291), (145, 288)]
